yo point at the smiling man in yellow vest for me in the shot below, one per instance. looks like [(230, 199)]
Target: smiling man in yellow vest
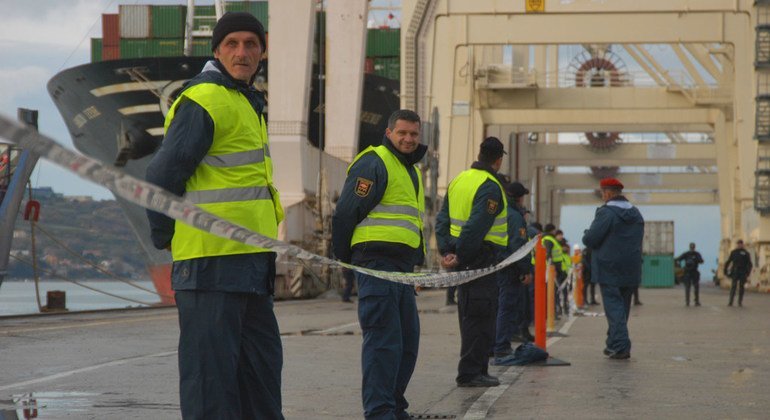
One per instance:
[(215, 153), (472, 232), (378, 224)]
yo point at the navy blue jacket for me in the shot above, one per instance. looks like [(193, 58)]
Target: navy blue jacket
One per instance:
[(615, 237), (471, 249), (517, 236), (352, 208), (186, 143)]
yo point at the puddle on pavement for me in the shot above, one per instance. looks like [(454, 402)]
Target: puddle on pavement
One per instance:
[(33, 405)]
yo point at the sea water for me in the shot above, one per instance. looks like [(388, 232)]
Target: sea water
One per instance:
[(18, 296)]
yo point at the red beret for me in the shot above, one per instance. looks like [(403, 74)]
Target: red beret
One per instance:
[(611, 183)]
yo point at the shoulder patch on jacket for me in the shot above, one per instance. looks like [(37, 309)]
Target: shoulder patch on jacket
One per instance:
[(523, 233), (491, 206), (363, 187)]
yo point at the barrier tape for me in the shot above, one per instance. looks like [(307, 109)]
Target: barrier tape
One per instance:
[(157, 199)]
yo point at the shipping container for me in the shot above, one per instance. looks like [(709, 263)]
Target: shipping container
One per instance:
[(111, 30), (168, 21), (383, 42), (369, 65), (110, 52), (389, 67), (205, 18), (256, 8), (137, 48), (202, 47), (658, 270), (135, 21), (658, 238), (96, 50)]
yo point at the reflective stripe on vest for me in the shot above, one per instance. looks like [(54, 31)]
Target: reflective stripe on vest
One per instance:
[(556, 252), (234, 179), (462, 191), (399, 215)]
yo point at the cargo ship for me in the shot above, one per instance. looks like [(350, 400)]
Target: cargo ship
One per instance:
[(115, 106)]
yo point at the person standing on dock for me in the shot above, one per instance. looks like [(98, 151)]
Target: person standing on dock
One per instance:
[(472, 232), (215, 153), (615, 238), (738, 267), (378, 224), (512, 282), (692, 259)]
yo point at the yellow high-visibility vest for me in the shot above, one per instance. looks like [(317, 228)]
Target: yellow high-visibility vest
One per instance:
[(399, 215), (461, 192), (235, 179)]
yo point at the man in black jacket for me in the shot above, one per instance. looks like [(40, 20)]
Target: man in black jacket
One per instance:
[(738, 267), (692, 259)]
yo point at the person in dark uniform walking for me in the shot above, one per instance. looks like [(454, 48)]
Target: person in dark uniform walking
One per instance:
[(692, 259), (589, 287), (215, 152), (378, 224), (512, 282), (471, 232), (615, 238), (738, 267)]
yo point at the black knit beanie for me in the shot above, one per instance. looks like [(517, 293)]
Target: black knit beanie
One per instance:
[(234, 22)]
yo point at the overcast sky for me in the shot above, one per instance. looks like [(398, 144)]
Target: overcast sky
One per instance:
[(38, 38)]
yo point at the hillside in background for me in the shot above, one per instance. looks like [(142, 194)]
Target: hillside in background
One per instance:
[(89, 231)]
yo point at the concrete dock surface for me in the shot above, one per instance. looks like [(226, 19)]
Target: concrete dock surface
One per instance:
[(711, 361)]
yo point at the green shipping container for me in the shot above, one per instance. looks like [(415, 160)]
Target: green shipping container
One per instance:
[(210, 17), (202, 47), (657, 271), (256, 8), (389, 67), (136, 48), (168, 21), (96, 50), (383, 42)]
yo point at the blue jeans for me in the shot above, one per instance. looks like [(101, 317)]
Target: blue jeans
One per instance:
[(387, 313), (617, 307)]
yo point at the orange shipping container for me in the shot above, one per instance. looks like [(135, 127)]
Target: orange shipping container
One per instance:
[(110, 52), (111, 30)]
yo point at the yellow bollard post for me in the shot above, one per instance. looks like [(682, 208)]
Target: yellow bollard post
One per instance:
[(551, 315)]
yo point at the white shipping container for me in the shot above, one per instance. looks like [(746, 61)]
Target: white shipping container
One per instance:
[(658, 238), (135, 21)]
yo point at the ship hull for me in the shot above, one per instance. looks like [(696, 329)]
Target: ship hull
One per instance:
[(114, 111)]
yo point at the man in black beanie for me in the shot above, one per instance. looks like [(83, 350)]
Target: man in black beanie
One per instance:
[(215, 153)]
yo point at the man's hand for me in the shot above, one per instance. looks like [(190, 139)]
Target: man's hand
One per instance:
[(449, 261), (527, 279)]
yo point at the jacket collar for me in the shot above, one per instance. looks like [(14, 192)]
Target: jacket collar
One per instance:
[(484, 167), (408, 160)]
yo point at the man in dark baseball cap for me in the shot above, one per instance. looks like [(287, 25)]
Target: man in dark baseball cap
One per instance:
[(491, 149)]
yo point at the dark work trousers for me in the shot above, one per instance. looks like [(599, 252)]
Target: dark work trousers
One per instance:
[(477, 311), (691, 278), (617, 307), (739, 282), (349, 280), (562, 297), (387, 312), (450, 294), (230, 356), (523, 305), (507, 311), (589, 292)]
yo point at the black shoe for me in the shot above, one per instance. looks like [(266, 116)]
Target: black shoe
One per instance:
[(730, 304), (607, 351), (687, 304), (622, 355), (594, 303), (697, 303), (637, 303), (479, 381), (347, 300), (740, 304), (450, 302)]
